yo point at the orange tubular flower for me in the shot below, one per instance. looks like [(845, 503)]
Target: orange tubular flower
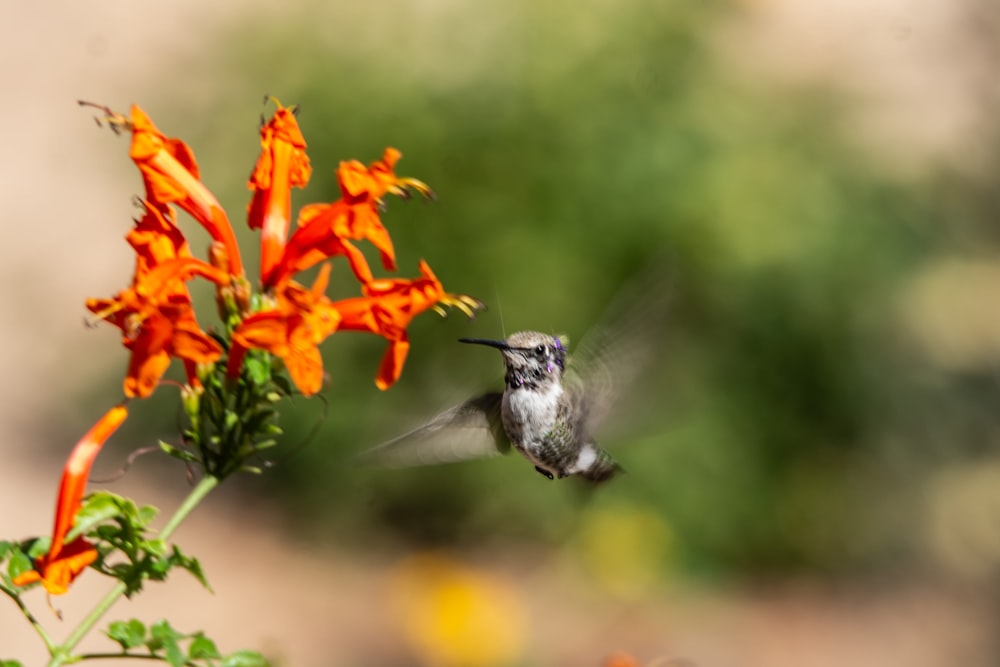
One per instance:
[(293, 330), (387, 309), (158, 323), (324, 229), (170, 174), (64, 562), (282, 165)]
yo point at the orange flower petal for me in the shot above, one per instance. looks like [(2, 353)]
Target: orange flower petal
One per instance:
[(305, 366), (266, 330), (392, 363), (194, 345)]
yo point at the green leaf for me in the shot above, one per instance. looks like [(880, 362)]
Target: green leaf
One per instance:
[(160, 633), (174, 655), (10, 663), (146, 514), (37, 548), (244, 659), (193, 566), (127, 633), (157, 547), (202, 648), (5, 548), (127, 507), (163, 638), (98, 507), (97, 510), (19, 563)]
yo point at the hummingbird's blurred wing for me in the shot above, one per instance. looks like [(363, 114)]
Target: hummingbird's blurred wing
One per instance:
[(468, 431), (623, 344)]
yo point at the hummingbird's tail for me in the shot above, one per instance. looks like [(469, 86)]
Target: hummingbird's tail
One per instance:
[(602, 469)]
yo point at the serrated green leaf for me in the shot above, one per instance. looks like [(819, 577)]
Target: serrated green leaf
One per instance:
[(192, 565), (128, 634), (202, 648), (244, 659), (127, 508), (98, 508), (103, 503), (162, 630)]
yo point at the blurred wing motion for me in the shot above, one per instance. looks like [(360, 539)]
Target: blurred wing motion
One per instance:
[(471, 430), (620, 347)]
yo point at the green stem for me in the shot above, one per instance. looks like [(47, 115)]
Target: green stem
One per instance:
[(31, 617), (62, 654)]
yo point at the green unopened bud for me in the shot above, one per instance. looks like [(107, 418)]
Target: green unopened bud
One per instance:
[(191, 400)]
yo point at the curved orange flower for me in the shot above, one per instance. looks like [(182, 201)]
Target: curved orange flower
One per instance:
[(64, 562), (293, 330), (158, 323), (387, 309), (324, 230), (362, 189), (170, 174), (282, 165)]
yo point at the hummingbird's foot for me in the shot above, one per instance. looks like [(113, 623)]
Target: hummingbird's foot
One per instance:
[(544, 472)]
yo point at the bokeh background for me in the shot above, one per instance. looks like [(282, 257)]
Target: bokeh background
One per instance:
[(813, 458)]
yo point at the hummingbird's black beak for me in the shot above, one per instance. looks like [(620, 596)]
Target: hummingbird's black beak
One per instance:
[(499, 344)]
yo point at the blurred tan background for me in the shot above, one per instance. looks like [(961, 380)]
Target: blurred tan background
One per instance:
[(912, 91)]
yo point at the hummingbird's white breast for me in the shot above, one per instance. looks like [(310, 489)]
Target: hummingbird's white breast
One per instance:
[(529, 414)]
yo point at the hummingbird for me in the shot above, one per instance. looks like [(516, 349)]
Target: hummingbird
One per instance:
[(551, 403)]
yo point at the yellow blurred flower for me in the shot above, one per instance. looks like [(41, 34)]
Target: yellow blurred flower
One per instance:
[(625, 548), (456, 616)]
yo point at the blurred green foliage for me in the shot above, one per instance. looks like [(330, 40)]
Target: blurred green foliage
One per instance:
[(571, 146)]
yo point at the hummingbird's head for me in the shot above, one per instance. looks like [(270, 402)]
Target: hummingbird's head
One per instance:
[(532, 358)]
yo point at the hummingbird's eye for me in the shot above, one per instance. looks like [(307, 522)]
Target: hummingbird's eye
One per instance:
[(540, 350)]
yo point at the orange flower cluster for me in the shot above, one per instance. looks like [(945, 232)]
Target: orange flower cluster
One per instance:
[(156, 316)]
